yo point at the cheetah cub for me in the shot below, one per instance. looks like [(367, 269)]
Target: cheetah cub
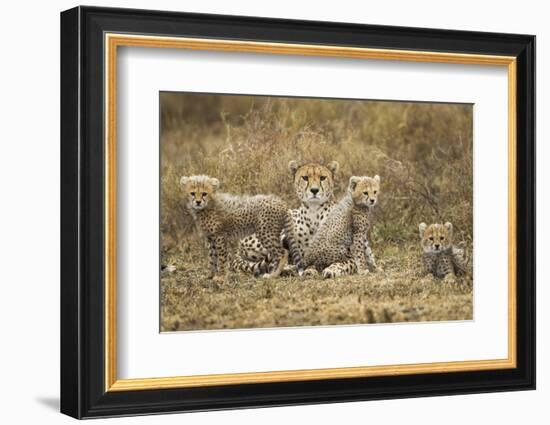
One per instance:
[(440, 258), (340, 245), (224, 218)]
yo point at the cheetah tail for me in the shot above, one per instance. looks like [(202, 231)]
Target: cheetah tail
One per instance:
[(290, 239), (256, 268)]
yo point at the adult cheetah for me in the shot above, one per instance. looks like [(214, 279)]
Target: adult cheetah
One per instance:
[(314, 187)]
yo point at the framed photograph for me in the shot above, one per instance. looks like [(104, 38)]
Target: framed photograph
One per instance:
[(261, 212)]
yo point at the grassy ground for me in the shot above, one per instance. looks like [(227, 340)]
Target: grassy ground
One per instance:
[(422, 151), (397, 294)]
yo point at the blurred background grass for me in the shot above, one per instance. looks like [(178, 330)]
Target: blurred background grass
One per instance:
[(422, 151)]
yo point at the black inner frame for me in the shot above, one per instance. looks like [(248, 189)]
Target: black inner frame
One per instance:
[(82, 212)]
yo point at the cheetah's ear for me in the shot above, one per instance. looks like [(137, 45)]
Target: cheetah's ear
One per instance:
[(215, 183), (293, 167), (353, 180), (449, 227), (183, 181), (377, 178), (333, 166), (422, 228)]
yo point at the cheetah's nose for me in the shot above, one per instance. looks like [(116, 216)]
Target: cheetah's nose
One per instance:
[(198, 202), (314, 190), (436, 246)]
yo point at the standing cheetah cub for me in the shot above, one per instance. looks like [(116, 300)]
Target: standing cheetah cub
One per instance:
[(440, 257), (223, 218), (340, 245)]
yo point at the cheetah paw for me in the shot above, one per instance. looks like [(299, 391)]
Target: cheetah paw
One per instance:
[(288, 270), (450, 278), (311, 272), (429, 278), (218, 279), (330, 274)]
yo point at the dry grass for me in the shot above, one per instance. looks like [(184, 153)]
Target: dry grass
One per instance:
[(423, 152), (191, 302)]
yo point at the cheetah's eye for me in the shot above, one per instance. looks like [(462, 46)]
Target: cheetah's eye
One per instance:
[(204, 194), (192, 193), (375, 192), (366, 193), (306, 178), (431, 238), (441, 238), (323, 178)]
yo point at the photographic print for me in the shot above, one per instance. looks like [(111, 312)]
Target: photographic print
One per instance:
[(286, 211)]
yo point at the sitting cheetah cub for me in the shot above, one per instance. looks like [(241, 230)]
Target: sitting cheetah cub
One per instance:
[(340, 245), (224, 218), (441, 258)]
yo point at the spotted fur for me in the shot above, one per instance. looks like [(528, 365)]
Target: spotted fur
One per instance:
[(314, 187), (440, 257), (340, 245), (223, 217)]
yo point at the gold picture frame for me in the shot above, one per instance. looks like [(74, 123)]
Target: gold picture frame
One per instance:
[(114, 41)]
